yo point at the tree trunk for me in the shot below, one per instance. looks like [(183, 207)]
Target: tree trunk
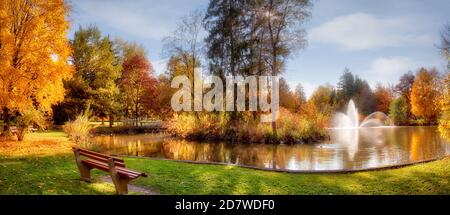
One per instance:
[(21, 133), (111, 121), (274, 72), (6, 119), (137, 114)]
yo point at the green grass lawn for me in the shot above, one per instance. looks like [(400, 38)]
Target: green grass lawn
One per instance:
[(56, 173)]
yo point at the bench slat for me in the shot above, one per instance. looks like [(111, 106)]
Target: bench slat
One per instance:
[(105, 168), (86, 153), (105, 160), (119, 168)]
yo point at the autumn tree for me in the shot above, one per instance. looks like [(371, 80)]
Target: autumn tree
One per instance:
[(383, 98), (287, 98), (138, 85), (425, 94), (323, 99), (299, 96), (33, 56), (164, 94), (444, 120)]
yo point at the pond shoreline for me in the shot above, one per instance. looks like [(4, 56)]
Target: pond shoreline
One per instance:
[(131, 130), (346, 171)]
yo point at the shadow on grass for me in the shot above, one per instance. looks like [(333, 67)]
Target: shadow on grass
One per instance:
[(47, 175)]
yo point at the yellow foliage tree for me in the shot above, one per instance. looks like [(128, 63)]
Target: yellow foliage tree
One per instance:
[(444, 121), (34, 49), (425, 95)]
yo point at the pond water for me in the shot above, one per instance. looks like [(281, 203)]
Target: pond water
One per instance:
[(350, 149)]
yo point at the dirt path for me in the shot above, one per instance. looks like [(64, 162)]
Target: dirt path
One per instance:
[(131, 187)]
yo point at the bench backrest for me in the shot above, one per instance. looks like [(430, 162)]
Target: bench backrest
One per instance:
[(99, 157)]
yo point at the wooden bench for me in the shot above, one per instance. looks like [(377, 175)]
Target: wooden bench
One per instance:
[(32, 129), (13, 130), (114, 165)]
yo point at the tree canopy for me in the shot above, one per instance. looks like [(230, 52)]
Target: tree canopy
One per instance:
[(34, 52), (425, 94)]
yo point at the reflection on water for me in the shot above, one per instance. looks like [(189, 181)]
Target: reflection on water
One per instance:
[(347, 149)]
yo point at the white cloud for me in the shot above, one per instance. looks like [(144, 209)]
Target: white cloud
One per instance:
[(391, 66), (142, 19), (388, 70), (361, 31)]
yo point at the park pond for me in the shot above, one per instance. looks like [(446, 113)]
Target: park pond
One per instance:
[(351, 149)]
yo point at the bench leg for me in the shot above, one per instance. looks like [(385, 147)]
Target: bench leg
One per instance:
[(85, 171), (120, 183)]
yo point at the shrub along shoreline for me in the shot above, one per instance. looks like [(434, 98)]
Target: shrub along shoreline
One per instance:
[(127, 130), (292, 128)]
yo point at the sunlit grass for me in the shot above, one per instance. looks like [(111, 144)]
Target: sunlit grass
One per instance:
[(37, 144), (170, 177)]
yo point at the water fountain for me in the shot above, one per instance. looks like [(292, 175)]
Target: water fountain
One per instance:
[(350, 120), (347, 130)]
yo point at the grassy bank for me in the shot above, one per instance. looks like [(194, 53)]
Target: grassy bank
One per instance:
[(44, 164), (171, 177)]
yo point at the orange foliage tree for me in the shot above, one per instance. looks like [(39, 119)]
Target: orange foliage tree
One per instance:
[(138, 85), (33, 55), (383, 97), (425, 94)]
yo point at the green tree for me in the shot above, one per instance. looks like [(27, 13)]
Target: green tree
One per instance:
[(404, 88), (346, 86), (398, 111), (124, 49), (97, 71), (353, 87), (225, 43), (284, 33)]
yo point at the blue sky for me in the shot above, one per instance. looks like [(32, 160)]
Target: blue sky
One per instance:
[(377, 40)]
